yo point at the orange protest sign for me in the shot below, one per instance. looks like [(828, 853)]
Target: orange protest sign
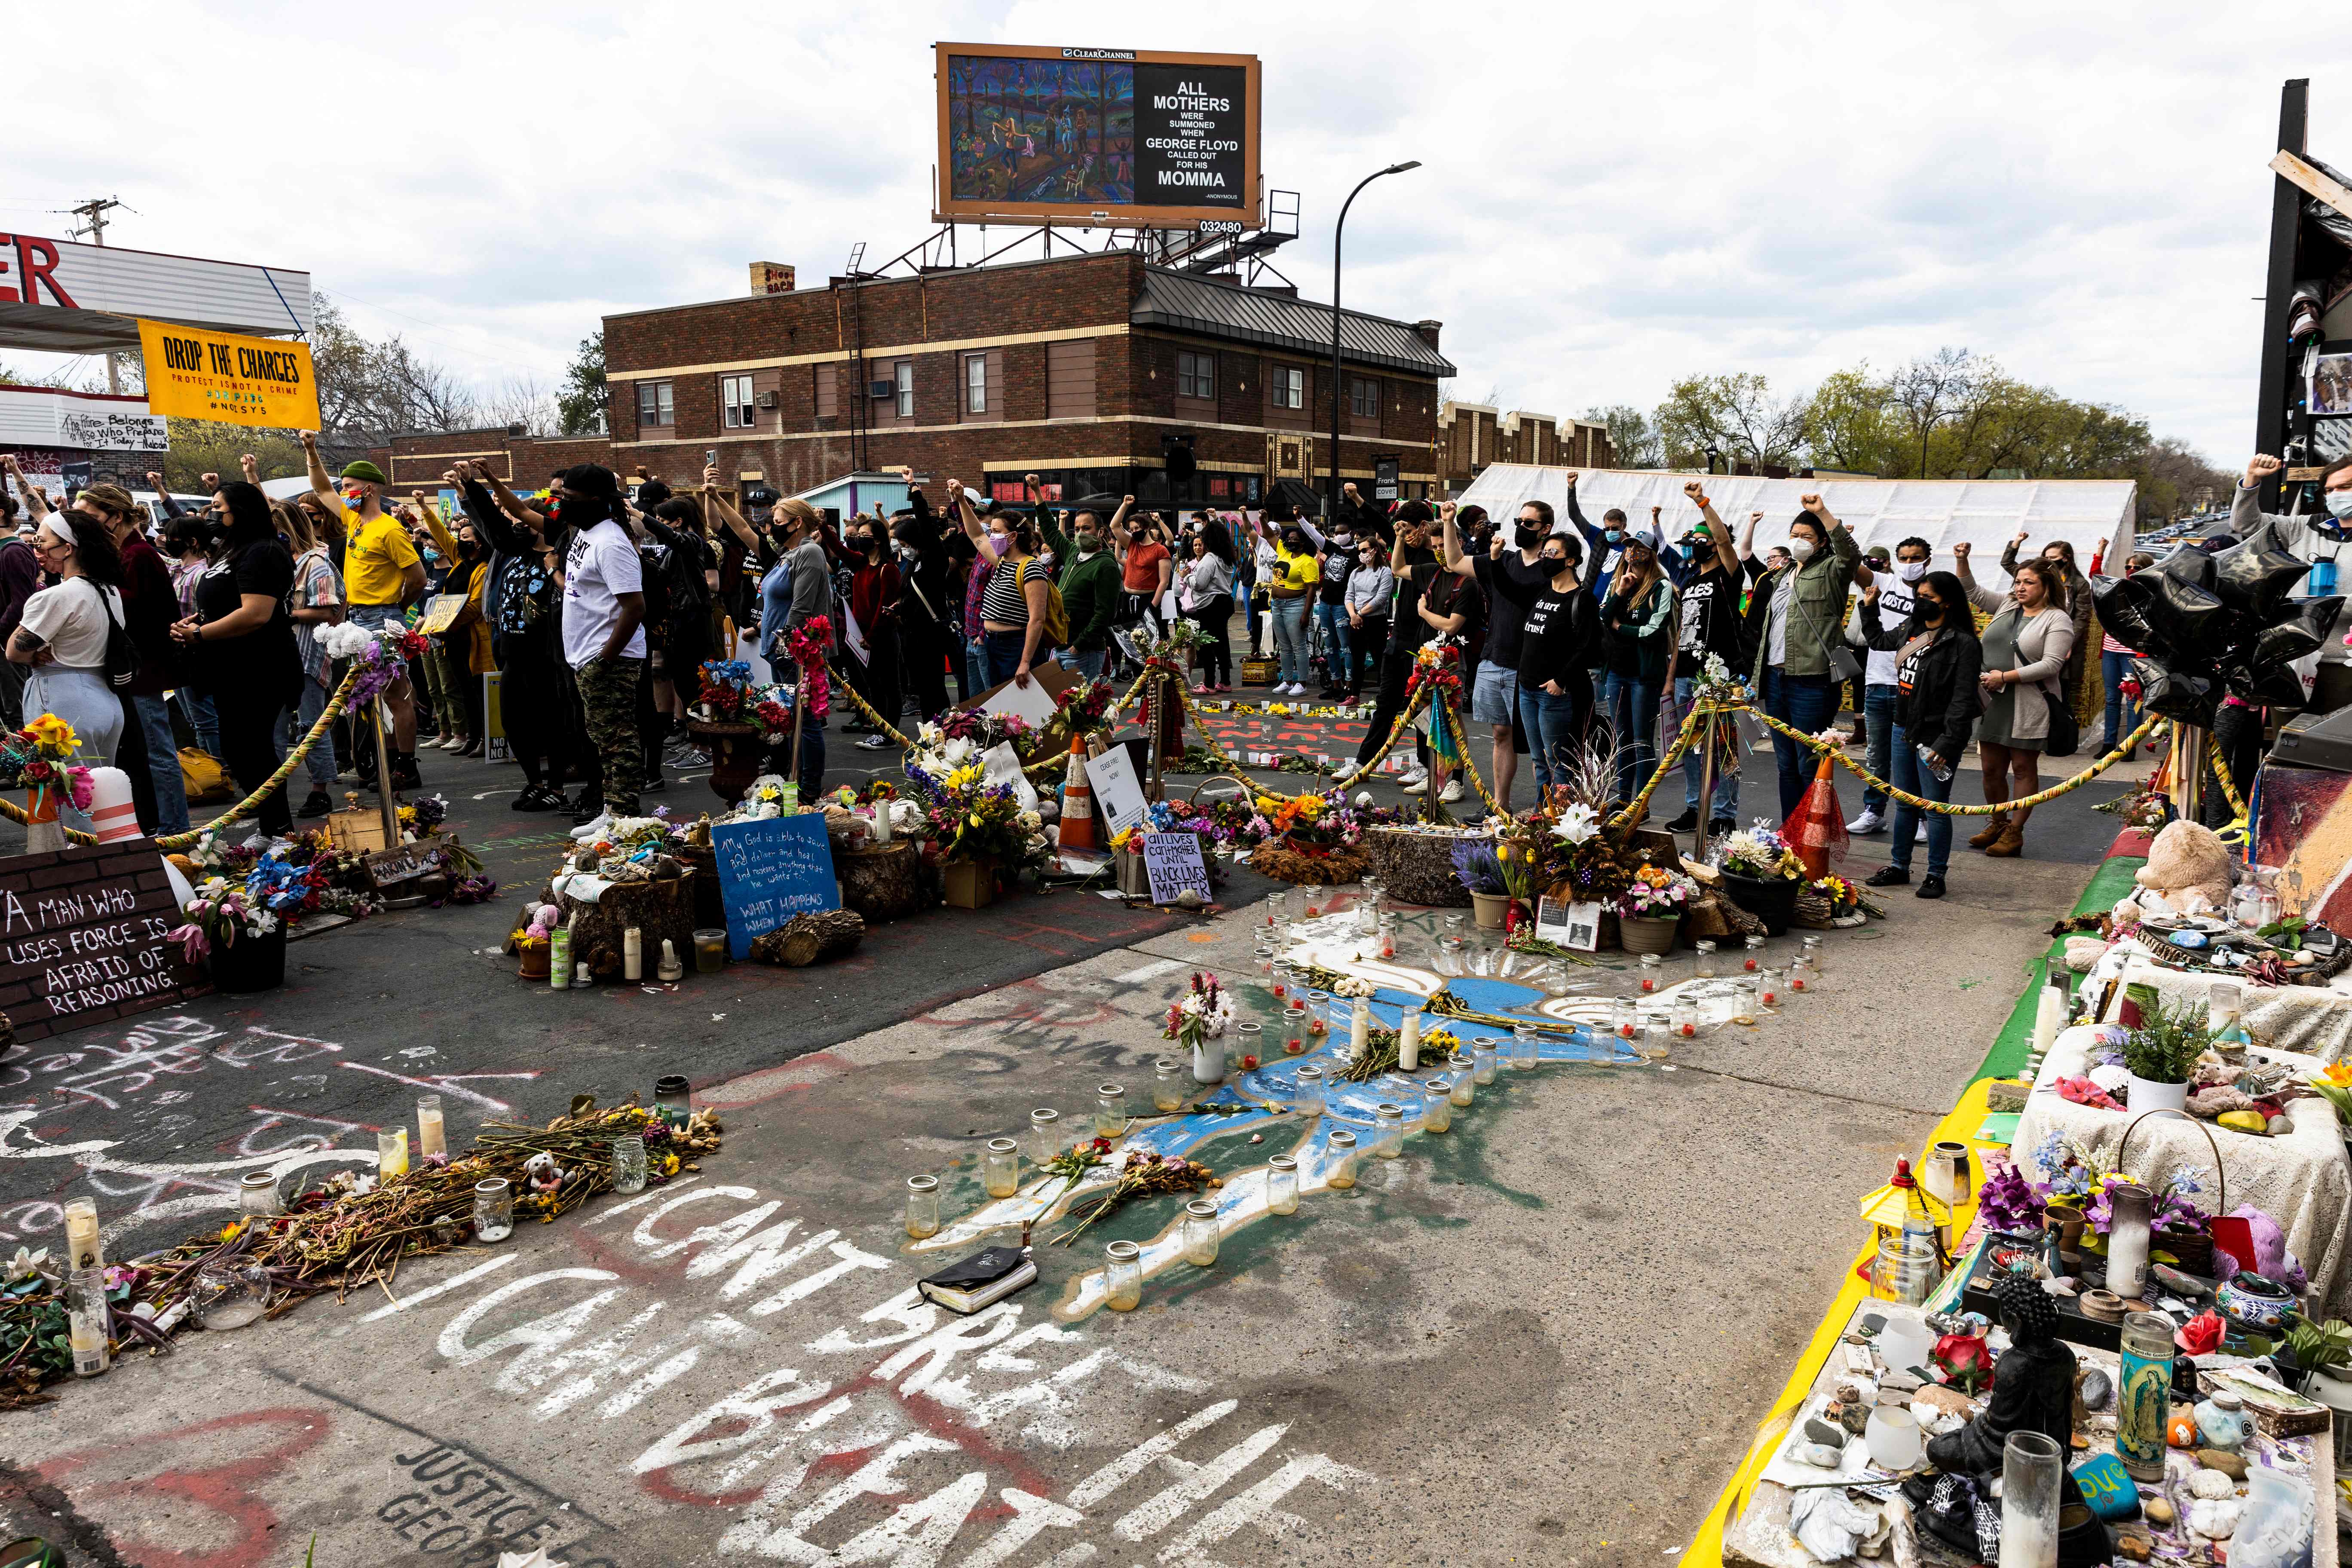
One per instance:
[(196, 373)]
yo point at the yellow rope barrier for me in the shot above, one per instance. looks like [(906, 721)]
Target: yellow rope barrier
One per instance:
[(2222, 772), (243, 809), (1837, 754)]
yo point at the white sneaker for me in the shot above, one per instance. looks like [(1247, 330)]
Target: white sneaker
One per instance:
[(1296, 688), (1347, 774), (1414, 784), (1868, 822), (1451, 792)]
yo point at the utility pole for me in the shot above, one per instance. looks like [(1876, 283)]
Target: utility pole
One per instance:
[(93, 216)]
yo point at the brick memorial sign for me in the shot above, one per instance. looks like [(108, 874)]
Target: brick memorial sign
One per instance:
[(83, 938)]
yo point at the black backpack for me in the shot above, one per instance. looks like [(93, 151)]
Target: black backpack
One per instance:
[(121, 653)]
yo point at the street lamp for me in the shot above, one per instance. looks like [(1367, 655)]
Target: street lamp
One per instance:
[(1713, 452), (1331, 493)]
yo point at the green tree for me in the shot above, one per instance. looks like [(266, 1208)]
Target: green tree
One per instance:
[(1736, 414), (580, 401), (1848, 426), (201, 447), (1631, 436)]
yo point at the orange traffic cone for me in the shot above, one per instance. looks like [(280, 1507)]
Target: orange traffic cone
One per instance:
[(1079, 802), (1816, 829)]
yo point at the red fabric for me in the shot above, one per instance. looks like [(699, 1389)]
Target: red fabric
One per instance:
[(870, 588), (1816, 829)]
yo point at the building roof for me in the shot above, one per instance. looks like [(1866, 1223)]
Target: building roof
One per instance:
[(1192, 303)]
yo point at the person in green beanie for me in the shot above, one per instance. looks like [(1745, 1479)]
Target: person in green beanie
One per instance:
[(382, 573)]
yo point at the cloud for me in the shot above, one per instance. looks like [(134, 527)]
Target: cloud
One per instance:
[(1610, 198)]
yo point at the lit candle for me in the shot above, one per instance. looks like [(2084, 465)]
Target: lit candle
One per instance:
[(632, 954), (83, 1249), (1360, 1023), (671, 968), (2048, 1014), (1409, 1040), (881, 822), (391, 1154), (430, 1139)]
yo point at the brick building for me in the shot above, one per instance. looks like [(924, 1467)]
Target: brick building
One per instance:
[(1100, 372), (1472, 435), (418, 461)]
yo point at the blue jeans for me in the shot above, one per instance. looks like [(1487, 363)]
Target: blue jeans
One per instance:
[(295, 723), (2123, 714), (1632, 705), (1909, 775), (203, 718), (1290, 640), (1339, 660), (1088, 664), (975, 667), (1803, 703), (163, 764), (1726, 781), (1555, 727), (1004, 654), (1878, 712)]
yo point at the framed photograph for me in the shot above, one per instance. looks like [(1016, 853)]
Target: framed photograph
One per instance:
[(1575, 926), (2330, 389)]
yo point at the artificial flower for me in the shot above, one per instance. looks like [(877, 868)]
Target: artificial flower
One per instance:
[(1576, 824)]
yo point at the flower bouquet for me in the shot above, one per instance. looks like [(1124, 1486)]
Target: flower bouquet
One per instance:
[(807, 644), (1763, 875), (1196, 1020), (234, 930), (1142, 1175), (726, 693), (1083, 706), (379, 658), (41, 755)]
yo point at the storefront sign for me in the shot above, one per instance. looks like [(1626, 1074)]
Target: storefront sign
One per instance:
[(194, 374), (770, 871), (83, 938)]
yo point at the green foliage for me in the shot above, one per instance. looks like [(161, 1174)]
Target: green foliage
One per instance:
[(1631, 436), (580, 403), (2320, 1346), (1736, 414), (201, 447), (2165, 1046)]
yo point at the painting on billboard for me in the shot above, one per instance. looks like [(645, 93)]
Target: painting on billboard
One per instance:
[(1022, 132)]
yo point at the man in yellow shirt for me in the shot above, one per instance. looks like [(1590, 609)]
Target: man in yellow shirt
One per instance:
[(1296, 572), (381, 572)]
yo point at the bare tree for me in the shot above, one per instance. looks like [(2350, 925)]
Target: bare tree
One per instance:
[(1950, 383)]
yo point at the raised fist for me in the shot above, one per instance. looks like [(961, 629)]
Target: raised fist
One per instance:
[(1570, 478), (1960, 551), (2262, 466), (1812, 503), (154, 480), (1691, 488)]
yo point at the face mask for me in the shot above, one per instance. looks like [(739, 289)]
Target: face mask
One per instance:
[(1911, 571), (2339, 503), (1802, 549), (1930, 611), (431, 554), (1529, 538), (998, 540), (1555, 564), (1343, 540), (1615, 535), (1087, 544)]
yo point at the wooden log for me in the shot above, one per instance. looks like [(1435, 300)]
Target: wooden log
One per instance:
[(1416, 867), (806, 938), (883, 881), (659, 909)]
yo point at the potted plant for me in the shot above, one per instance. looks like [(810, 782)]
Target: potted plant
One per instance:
[(2161, 1055), (229, 930), (1763, 875), (2315, 1357), (41, 757), (2334, 1085), (979, 829), (1650, 909), (1198, 1021), (1479, 872)]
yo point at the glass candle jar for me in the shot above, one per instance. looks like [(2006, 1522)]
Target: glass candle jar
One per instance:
[(709, 950), (1313, 897), (1462, 1083), (629, 1164), (1484, 1055), (1453, 924), (257, 1194), (1200, 1233), (1437, 1105), (674, 1097), (1307, 1099), (87, 1321), (1388, 1130), (391, 1154), (1703, 960), (1815, 950), (922, 1206), (1682, 1018), (1283, 976), (2031, 1464), (1110, 1110), (1171, 1080), (1044, 1136), (1000, 1168), (230, 1295), (1294, 1027), (2143, 1394), (1277, 909), (1282, 1184), (1523, 1050), (1800, 973), (1743, 997), (1122, 1276), (1772, 986), (1654, 973), (1624, 1018), (1318, 1014), (1411, 1021), (432, 1133), (493, 1209), (1389, 937), (1249, 1041), (1367, 913), (1753, 960), (83, 1248), (1342, 1158)]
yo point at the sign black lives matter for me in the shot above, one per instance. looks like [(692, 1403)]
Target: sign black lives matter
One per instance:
[(83, 938), (1192, 134)]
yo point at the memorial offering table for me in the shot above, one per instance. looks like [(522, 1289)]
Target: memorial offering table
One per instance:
[(883, 881), (660, 911)]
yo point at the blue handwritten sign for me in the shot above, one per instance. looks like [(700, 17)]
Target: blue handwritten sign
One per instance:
[(770, 871)]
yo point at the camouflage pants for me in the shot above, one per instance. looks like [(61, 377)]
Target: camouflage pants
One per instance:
[(608, 697)]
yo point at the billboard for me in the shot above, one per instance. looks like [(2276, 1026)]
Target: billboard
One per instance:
[(1149, 138)]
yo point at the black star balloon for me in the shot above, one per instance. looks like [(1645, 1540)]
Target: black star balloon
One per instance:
[(2253, 575), (2119, 604), (2276, 686), (2181, 612), (2304, 631), (2187, 698)]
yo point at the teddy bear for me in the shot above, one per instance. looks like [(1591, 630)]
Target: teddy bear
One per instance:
[(2187, 867)]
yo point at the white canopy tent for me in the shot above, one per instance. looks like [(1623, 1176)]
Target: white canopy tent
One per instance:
[(2093, 515)]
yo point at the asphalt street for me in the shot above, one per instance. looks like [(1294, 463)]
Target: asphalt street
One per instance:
[(1575, 1304)]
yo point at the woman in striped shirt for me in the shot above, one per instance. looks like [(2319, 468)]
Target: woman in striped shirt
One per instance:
[(1013, 608)]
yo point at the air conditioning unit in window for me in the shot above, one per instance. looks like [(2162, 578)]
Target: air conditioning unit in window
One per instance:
[(881, 388), (767, 400)]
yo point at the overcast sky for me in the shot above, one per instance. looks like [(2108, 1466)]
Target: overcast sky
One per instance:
[(1609, 196)]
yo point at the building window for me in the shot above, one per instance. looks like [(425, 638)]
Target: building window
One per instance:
[(975, 383), (1289, 386), (902, 380), (654, 405), (1196, 376), (736, 410), (1363, 397)]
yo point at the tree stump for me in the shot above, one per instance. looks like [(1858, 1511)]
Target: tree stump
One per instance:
[(806, 939), (659, 909), (883, 881), (1416, 864)]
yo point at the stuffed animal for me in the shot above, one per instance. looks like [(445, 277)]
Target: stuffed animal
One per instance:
[(2187, 857), (543, 1174)]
